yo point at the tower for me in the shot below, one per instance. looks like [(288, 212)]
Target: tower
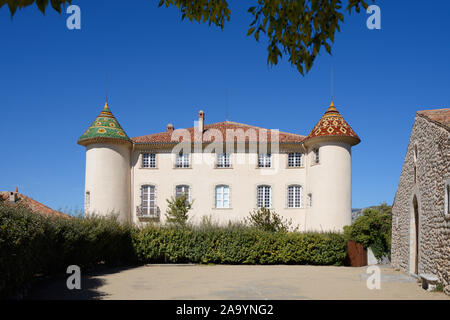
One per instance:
[(107, 185), (329, 177)]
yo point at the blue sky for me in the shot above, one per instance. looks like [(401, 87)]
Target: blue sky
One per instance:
[(162, 69)]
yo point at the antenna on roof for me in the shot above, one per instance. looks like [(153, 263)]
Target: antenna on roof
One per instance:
[(226, 106), (332, 83), (106, 88)]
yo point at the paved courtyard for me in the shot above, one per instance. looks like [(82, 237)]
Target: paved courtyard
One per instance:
[(235, 282)]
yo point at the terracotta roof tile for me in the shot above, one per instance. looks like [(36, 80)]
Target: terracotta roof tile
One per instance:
[(441, 116), (33, 205), (222, 127)]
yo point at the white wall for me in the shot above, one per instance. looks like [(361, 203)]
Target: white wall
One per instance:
[(243, 180), (331, 187), (114, 187), (108, 179)]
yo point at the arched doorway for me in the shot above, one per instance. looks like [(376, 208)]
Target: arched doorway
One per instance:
[(414, 237)]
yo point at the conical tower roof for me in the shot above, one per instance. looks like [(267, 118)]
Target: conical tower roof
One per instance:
[(105, 128), (332, 126)]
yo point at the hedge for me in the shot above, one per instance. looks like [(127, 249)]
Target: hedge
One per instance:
[(237, 246), (32, 244)]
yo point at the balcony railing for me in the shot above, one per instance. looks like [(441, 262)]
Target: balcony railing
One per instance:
[(144, 213)]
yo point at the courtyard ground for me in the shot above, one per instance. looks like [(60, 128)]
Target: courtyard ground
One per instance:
[(235, 282)]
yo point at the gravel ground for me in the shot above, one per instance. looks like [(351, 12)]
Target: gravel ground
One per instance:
[(225, 282)]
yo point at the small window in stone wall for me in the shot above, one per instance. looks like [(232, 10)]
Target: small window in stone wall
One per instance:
[(447, 199), (415, 174), (415, 163)]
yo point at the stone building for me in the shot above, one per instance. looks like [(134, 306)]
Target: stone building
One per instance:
[(421, 213), (226, 169)]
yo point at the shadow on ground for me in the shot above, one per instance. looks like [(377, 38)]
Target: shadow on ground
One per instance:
[(55, 288)]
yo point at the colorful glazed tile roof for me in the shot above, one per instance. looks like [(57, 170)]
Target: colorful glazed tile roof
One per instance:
[(441, 116), (222, 127), (104, 128), (332, 124)]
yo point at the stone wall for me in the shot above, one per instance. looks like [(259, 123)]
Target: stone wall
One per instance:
[(432, 170)]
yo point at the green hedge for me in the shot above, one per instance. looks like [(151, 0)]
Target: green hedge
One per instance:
[(237, 246), (32, 244)]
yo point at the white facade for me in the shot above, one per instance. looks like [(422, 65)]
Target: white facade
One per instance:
[(107, 184), (316, 195)]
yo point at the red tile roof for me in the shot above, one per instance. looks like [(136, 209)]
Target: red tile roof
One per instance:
[(222, 127), (33, 205), (332, 124), (441, 116)]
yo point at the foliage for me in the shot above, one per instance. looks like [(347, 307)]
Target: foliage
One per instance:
[(13, 5), (296, 28), (268, 220), (32, 244), (237, 245), (177, 211), (299, 28), (439, 287), (373, 229), (211, 11)]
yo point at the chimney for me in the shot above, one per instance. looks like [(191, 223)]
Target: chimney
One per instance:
[(201, 121), (170, 127), (13, 197)]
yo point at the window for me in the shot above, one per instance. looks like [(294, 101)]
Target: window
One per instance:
[(310, 199), (223, 160), (87, 201), (415, 163), (182, 160), (295, 160), (415, 174), (447, 199), (264, 160), (264, 197), (183, 190), (222, 197), (148, 160), (148, 201), (294, 196), (316, 158)]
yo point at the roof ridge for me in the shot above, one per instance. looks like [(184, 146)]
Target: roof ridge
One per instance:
[(31, 204), (208, 126), (423, 114)]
